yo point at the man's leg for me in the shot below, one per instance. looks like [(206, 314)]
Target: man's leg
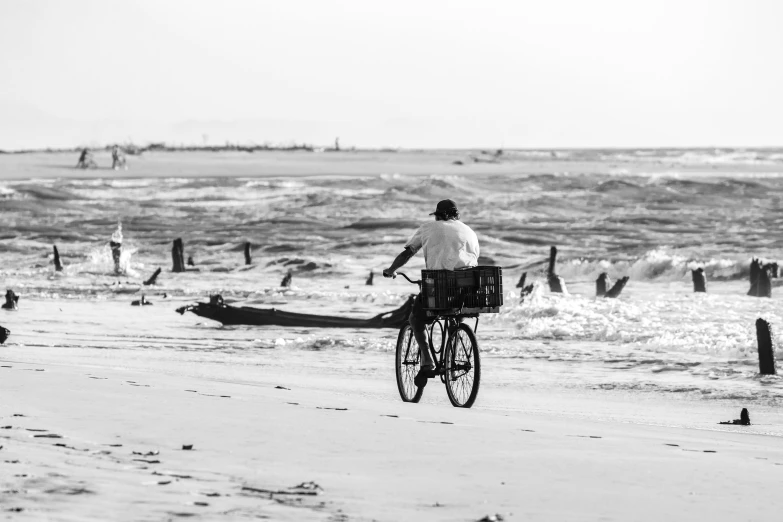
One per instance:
[(418, 321)]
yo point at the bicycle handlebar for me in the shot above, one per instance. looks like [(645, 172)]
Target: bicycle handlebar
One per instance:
[(408, 278)]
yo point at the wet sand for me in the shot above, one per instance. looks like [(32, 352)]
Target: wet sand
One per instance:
[(86, 441)]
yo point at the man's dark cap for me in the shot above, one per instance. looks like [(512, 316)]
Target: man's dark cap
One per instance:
[(445, 208)]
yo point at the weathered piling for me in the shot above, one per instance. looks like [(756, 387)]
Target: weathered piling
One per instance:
[(11, 300), (57, 264), (153, 278), (4, 333), (178, 256), (116, 254), (766, 351), (248, 260), (369, 279), (760, 275), (760, 284), (286, 282), (617, 288), (555, 281), (601, 284), (699, 280), (522, 279)]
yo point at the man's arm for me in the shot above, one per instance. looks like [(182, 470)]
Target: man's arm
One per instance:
[(399, 262)]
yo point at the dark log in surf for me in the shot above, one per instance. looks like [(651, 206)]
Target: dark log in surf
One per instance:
[(617, 288), (601, 284), (555, 281), (153, 278), (248, 260), (286, 282), (190, 261), (116, 254), (11, 301), (369, 279), (766, 351), (4, 333), (178, 256), (699, 280)]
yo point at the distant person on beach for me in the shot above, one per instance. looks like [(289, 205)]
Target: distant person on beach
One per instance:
[(448, 244), (117, 158), (85, 160)]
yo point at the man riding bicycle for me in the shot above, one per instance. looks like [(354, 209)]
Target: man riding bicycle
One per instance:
[(448, 244)]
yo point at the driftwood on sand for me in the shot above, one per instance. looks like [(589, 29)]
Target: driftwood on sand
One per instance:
[(744, 419), (153, 278), (141, 302), (699, 280), (217, 310), (766, 350), (11, 300), (57, 264)]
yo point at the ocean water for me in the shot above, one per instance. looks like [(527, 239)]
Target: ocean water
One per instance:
[(652, 224)]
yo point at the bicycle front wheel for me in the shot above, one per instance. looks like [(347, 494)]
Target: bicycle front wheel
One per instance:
[(463, 367), (407, 365)]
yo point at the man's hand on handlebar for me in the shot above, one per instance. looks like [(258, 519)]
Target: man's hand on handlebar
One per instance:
[(388, 272)]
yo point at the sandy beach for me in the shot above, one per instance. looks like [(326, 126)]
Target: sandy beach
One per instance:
[(90, 442)]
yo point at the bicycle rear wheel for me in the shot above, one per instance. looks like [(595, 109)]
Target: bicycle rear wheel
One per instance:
[(407, 365), (463, 367)]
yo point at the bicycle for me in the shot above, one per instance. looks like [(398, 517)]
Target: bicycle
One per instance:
[(457, 359)]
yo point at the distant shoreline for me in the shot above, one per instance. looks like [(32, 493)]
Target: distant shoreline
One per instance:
[(132, 149)]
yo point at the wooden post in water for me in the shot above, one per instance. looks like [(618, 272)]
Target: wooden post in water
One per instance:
[(601, 284), (178, 256), (4, 333), (699, 280), (11, 300), (153, 278), (369, 279), (247, 253), (190, 261), (617, 288), (57, 265), (286, 282), (522, 279), (760, 284), (116, 254), (555, 284), (766, 351)]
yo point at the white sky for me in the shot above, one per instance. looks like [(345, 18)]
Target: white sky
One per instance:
[(516, 73)]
